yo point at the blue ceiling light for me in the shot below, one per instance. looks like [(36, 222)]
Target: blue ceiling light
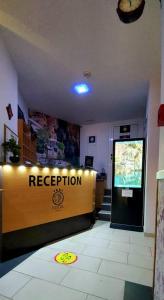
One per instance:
[(81, 88)]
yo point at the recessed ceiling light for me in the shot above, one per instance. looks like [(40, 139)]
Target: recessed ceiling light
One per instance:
[(81, 88)]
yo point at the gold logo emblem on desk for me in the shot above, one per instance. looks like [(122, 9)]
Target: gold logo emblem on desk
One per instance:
[(58, 198)]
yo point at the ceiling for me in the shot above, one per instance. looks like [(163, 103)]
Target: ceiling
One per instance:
[(53, 42)]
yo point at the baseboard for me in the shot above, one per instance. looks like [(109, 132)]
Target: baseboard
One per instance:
[(126, 227), (147, 234)]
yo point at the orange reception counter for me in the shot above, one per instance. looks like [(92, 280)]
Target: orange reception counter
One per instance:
[(40, 205)]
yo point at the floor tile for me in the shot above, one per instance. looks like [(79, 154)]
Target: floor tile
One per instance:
[(125, 247), (103, 229), (90, 297), (142, 240), (87, 263), (126, 272), (137, 234), (45, 253), (141, 261), (118, 232), (41, 290), (102, 235), (140, 249), (130, 248), (119, 238), (12, 282), (83, 262), (94, 241), (107, 254), (68, 246), (43, 269), (81, 234), (94, 284)]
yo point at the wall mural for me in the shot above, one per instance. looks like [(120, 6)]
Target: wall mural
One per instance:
[(58, 142)]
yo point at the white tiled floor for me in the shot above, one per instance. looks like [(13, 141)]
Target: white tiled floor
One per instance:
[(106, 258), (3, 298), (12, 282)]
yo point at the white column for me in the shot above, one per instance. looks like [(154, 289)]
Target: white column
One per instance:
[(152, 150), (161, 140)]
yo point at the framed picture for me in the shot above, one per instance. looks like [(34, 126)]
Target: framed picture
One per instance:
[(89, 162), (92, 139), (9, 111), (125, 129), (8, 134)]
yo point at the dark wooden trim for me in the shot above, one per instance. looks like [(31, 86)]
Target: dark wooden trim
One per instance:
[(18, 242), (126, 227)]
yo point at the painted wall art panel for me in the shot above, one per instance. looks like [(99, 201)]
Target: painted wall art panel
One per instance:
[(58, 142)]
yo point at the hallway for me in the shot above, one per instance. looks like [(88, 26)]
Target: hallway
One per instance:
[(107, 259)]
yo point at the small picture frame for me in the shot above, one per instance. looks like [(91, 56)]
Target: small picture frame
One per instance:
[(89, 162), (125, 129), (8, 134), (92, 139), (9, 111)]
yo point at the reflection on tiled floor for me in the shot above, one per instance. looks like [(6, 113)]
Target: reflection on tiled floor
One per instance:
[(106, 259)]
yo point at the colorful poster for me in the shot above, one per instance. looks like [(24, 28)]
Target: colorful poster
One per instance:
[(128, 164), (58, 142)]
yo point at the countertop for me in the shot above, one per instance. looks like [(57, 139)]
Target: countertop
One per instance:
[(47, 166)]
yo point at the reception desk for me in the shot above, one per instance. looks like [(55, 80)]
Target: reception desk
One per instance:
[(39, 205)]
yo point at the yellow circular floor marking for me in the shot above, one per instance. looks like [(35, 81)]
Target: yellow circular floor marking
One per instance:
[(65, 258)]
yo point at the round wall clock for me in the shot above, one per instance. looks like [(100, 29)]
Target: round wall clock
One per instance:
[(130, 10)]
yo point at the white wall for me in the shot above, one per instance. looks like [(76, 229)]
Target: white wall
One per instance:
[(8, 92), (103, 147), (161, 140), (152, 151), (23, 106), (158, 285), (100, 150)]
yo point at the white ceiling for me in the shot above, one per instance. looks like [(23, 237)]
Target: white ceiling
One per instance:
[(53, 42)]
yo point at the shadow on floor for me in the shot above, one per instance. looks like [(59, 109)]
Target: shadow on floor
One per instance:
[(8, 265)]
